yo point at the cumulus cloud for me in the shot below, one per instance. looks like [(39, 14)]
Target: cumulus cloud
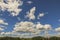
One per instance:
[(40, 15), (6, 33), (14, 34), (2, 32), (1, 29), (9, 34), (30, 27), (2, 25), (27, 29), (57, 29), (43, 27), (11, 6), (24, 27), (30, 14), (39, 26), (3, 22), (47, 27)]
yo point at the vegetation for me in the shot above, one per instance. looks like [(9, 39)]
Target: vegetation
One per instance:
[(34, 38)]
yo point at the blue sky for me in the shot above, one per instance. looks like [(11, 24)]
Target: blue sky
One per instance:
[(49, 8)]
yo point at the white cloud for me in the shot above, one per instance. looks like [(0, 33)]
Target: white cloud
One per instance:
[(40, 15), (11, 6), (29, 2), (7, 33), (31, 27), (30, 14), (3, 22), (24, 27), (2, 32), (39, 26), (47, 27), (1, 29), (43, 27), (57, 29), (14, 34)]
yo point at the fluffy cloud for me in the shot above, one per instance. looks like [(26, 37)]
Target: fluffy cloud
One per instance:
[(3, 22), (1, 29), (6, 33), (31, 27), (11, 6), (14, 34), (57, 29), (40, 15), (2, 32), (24, 27), (47, 27), (39, 26), (43, 27), (30, 14), (27, 29)]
